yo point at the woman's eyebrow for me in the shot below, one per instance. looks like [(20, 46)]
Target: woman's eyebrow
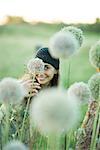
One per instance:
[(46, 64)]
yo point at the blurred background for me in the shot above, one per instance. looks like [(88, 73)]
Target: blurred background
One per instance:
[(27, 25)]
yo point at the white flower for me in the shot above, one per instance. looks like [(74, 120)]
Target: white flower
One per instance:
[(78, 33), (81, 91), (63, 45), (15, 145), (11, 91), (53, 112), (35, 65), (94, 85), (94, 55)]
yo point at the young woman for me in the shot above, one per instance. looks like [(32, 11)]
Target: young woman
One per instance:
[(49, 78)]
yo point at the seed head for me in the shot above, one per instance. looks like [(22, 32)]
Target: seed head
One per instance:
[(94, 55), (11, 91), (63, 45), (81, 91), (35, 65), (78, 33), (53, 112), (94, 85)]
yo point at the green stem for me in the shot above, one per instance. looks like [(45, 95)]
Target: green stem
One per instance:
[(68, 78), (7, 124), (53, 142), (64, 73), (23, 123), (97, 131), (69, 139), (93, 139), (64, 83)]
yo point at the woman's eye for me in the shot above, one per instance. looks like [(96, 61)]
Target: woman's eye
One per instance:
[(46, 67)]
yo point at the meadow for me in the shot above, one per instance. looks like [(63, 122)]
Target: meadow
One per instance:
[(18, 44)]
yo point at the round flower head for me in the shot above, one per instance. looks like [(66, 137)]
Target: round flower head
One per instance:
[(94, 85), (94, 55), (81, 91), (11, 91), (15, 145), (78, 33), (35, 65), (53, 112), (63, 45)]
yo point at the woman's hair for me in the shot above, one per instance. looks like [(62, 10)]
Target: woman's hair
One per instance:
[(55, 80)]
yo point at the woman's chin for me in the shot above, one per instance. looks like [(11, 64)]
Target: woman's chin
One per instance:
[(42, 81)]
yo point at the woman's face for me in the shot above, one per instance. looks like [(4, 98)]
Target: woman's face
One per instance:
[(47, 75)]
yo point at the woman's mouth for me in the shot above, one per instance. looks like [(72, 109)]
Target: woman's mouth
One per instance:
[(41, 79)]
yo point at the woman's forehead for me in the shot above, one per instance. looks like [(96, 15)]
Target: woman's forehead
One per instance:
[(48, 64)]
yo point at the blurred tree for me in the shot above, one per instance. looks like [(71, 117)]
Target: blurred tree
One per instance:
[(14, 19), (97, 20)]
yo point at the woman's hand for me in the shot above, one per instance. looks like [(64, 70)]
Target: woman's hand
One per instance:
[(34, 89), (31, 87)]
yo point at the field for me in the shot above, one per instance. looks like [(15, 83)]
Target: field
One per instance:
[(18, 44)]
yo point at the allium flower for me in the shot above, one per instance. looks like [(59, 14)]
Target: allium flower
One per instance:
[(53, 112), (15, 145), (11, 91), (94, 85), (63, 45), (94, 55), (35, 65), (81, 91), (78, 33)]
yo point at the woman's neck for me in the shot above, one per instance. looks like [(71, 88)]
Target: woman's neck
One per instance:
[(45, 86)]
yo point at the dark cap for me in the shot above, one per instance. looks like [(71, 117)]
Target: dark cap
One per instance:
[(43, 53)]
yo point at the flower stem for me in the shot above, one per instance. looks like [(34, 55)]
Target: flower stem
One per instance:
[(95, 126), (23, 123), (64, 73), (7, 123), (64, 83), (53, 142)]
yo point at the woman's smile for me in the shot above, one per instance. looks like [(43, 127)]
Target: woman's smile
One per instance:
[(41, 78)]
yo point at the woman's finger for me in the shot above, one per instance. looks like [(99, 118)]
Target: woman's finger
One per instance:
[(33, 92), (36, 87), (36, 83)]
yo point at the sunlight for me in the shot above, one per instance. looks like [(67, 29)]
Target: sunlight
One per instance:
[(52, 10)]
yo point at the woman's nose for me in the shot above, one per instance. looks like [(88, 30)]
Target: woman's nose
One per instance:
[(40, 75)]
